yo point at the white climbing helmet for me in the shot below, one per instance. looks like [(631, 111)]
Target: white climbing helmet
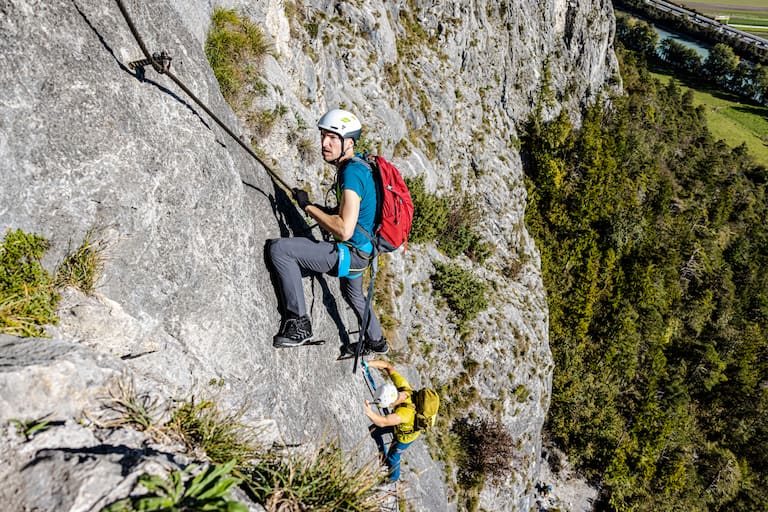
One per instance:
[(341, 122), (385, 395)]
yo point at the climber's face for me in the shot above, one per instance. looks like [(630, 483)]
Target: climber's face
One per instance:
[(331, 146)]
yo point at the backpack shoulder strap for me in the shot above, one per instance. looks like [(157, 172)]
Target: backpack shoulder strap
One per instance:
[(340, 170), (356, 158), (363, 160)]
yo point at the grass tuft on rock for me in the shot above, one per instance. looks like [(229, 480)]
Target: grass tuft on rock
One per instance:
[(82, 267), (203, 427), (322, 480)]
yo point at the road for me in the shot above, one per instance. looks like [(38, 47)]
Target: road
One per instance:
[(703, 21)]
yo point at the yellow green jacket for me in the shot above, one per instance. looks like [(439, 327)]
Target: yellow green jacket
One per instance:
[(404, 432)]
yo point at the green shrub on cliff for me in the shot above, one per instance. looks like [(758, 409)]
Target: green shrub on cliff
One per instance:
[(447, 220), (27, 295), (207, 490), (235, 47), (464, 292)]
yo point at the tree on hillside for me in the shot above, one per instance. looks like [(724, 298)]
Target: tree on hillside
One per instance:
[(721, 64), (679, 55), (759, 83), (637, 35)]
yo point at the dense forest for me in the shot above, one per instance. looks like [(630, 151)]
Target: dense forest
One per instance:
[(654, 247)]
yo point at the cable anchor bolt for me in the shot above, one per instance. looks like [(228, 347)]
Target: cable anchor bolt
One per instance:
[(161, 62)]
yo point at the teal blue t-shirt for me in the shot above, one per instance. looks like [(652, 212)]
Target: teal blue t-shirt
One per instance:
[(356, 176)]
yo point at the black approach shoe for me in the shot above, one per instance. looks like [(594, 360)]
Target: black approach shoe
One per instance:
[(295, 332), (380, 347)]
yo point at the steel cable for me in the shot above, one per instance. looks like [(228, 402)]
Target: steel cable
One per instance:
[(161, 65)]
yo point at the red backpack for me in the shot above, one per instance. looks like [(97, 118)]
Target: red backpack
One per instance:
[(391, 226), (394, 208)]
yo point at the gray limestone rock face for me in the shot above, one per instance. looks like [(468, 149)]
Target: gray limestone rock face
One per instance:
[(186, 304), (50, 378)]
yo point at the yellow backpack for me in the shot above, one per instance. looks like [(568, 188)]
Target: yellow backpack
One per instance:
[(427, 403)]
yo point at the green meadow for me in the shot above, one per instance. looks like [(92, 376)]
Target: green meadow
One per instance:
[(728, 118), (736, 5)]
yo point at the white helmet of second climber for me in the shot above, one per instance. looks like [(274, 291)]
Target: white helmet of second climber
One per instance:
[(343, 123), (385, 395)]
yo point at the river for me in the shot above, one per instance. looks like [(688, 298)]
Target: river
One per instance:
[(701, 48)]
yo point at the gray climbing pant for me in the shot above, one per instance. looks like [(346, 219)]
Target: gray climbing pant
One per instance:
[(290, 255)]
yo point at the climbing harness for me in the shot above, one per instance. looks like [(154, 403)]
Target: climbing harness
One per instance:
[(161, 63), (344, 260)]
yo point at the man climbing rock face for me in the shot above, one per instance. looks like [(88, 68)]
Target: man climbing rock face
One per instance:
[(345, 258)]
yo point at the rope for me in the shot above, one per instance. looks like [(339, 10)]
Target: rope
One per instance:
[(161, 64)]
